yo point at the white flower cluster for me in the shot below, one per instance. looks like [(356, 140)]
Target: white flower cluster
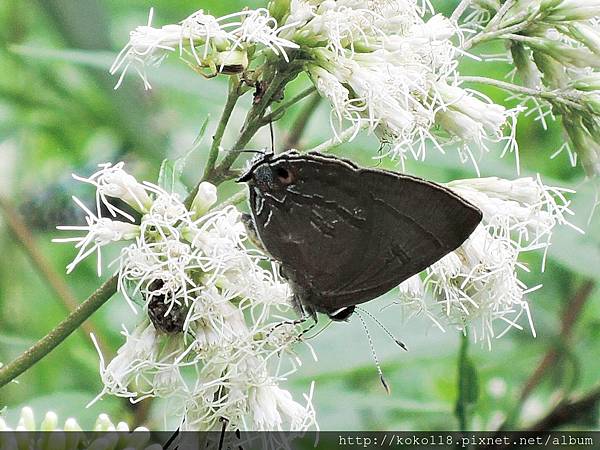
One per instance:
[(213, 339), (27, 422), (555, 46), (478, 283), (383, 66), (203, 41), (380, 64), (107, 436)]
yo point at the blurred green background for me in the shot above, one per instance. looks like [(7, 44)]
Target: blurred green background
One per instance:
[(59, 114)]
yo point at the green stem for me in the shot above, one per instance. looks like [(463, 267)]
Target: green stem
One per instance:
[(232, 98), (563, 97), (254, 121), (25, 237), (299, 125), (460, 9), (59, 333), (463, 369), (522, 24), (275, 115), (334, 141)]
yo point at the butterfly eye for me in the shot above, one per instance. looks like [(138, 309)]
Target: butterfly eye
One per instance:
[(284, 175)]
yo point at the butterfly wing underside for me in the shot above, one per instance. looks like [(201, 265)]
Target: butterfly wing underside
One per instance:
[(345, 235)]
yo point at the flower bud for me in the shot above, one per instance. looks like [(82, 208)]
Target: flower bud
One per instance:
[(587, 35), (526, 68), (27, 419), (230, 62), (50, 422), (279, 9), (103, 423), (204, 199), (566, 10)]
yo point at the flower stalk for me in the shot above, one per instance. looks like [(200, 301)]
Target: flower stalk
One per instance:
[(49, 342)]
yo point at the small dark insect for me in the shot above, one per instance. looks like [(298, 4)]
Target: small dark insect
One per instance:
[(345, 235), (157, 311)]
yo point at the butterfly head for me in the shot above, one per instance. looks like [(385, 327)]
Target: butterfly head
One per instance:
[(269, 173)]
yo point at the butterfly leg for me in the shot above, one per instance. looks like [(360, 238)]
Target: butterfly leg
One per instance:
[(248, 222), (289, 322)]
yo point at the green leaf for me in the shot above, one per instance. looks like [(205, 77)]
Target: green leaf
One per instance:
[(169, 176), (469, 382), (468, 385), (169, 76)]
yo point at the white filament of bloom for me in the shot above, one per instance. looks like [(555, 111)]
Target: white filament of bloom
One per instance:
[(146, 361), (260, 28), (99, 232), (478, 284), (147, 46), (113, 181)]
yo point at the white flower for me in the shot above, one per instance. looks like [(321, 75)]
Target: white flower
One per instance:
[(100, 232), (50, 422), (209, 309), (488, 116), (272, 407), (113, 181), (147, 46), (384, 68), (201, 40), (478, 284)]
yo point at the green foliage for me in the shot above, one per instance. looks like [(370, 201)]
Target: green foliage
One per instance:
[(59, 113)]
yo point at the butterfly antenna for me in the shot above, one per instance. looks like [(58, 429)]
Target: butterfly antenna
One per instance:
[(383, 327), (171, 440), (364, 324), (262, 152), (225, 422), (272, 136)]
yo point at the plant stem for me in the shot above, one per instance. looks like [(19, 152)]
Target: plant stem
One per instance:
[(569, 411), (24, 236), (232, 98), (254, 121), (293, 138), (335, 141), (493, 24), (462, 400), (59, 333), (275, 115), (569, 316), (460, 9), (564, 97), (522, 22)]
